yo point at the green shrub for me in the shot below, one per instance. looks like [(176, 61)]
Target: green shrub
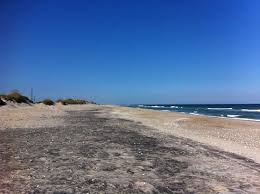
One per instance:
[(2, 102), (16, 97), (72, 101), (48, 102)]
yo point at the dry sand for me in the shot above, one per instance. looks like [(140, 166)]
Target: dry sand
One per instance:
[(111, 149), (35, 116), (14, 116)]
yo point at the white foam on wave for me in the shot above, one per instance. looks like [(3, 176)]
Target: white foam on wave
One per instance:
[(166, 110), (233, 116), (156, 106), (219, 108), (237, 118), (245, 119), (251, 110), (192, 113), (150, 106), (175, 107)]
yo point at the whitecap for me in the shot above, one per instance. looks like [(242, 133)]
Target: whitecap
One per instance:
[(175, 107), (156, 106), (233, 116), (194, 113), (245, 119), (251, 110), (219, 108)]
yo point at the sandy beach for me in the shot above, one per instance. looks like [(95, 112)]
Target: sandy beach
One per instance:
[(129, 97), (112, 149)]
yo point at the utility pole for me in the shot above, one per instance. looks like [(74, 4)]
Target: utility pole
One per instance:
[(32, 94)]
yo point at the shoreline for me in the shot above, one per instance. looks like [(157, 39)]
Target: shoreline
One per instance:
[(192, 114), (211, 116), (229, 134), (196, 114)]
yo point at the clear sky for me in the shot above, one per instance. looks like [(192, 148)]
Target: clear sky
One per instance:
[(123, 52)]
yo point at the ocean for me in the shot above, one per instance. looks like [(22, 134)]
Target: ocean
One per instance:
[(238, 111)]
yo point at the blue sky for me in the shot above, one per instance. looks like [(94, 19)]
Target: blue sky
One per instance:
[(123, 52)]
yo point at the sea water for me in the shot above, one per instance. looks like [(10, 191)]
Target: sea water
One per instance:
[(238, 111)]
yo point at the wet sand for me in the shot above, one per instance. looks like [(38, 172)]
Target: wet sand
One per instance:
[(108, 149)]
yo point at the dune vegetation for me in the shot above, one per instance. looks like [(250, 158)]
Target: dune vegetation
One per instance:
[(71, 101), (15, 97), (48, 102)]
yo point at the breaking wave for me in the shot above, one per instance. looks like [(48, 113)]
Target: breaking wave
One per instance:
[(233, 116), (251, 110), (219, 108)]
